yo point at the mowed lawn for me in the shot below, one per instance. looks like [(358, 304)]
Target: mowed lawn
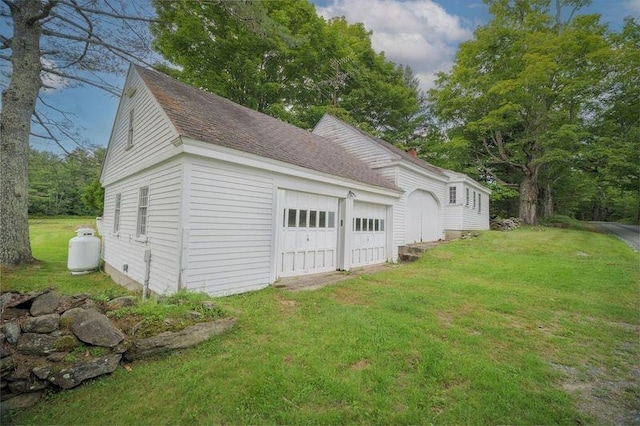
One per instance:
[(533, 326)]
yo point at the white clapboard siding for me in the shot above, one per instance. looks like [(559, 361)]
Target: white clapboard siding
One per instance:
[(163, 214), (152, 133), (475, 218), (229, 228), (453, 212), (352, 141), (411, 181)]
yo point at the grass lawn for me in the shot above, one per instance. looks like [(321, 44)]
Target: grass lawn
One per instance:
[(533, 326)]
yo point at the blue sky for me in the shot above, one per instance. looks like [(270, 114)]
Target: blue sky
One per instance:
[(421, 33)]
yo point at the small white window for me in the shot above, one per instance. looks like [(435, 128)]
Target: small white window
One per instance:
[(452, 195), (116, 213), (143, 204), (130, 130), (466, 202), (474, 199)]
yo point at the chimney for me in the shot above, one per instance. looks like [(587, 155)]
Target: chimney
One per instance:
[(413, 151)]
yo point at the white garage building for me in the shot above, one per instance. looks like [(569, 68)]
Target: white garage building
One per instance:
[(206, 195)]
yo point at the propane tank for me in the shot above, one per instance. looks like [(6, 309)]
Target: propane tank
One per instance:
[(84, 252)]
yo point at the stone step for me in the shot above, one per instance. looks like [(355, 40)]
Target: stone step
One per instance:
[(409, 257)]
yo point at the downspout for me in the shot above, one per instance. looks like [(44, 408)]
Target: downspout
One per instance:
[(147, 272)]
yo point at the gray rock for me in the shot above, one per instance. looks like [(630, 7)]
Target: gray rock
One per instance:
[(4, 350), (36, 344), (94, 328), (7, 365), (193, 315), (42, 324), (24, 400), (44, 304), (76, 374), (13, 313), (42, 372), (69, 302), (168, 341), (5, 299), (71, 314), (25, 386), (10, 300), (121, 302), (209, 305), (12, 332), (57, 356)]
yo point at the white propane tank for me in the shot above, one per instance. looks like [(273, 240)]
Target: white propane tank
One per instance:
[(84, 252)]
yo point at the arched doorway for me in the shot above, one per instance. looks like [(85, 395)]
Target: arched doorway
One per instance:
[(423, 217)]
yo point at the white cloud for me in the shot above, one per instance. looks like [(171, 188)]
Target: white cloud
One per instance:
[(52, 82), (633, 6), (418, 33)]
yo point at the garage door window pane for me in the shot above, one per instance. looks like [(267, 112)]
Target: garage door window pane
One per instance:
[(370, 224), (332, 219), (303, 219), (323, 220), (358, 225), (382, 224), (377, 225), (313, 216), (292, 218)]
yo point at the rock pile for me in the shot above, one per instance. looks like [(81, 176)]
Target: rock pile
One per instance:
[(56, 342), (506, 224)]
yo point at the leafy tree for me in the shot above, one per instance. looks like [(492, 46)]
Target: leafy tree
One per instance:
[(75, 42), (292, 64), (520, 91), (65, 185)]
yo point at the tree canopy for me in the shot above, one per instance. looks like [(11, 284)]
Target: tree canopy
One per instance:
[(523, 100), (281, 58)]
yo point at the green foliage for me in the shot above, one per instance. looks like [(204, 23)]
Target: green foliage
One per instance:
[(66, 185), (532, 95), (282, 59), (444, 340)]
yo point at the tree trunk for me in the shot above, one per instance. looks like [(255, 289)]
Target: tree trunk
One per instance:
[(18, 103), (529, 198), (547, 201)]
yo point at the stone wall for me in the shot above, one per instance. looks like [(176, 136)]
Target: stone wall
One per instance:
[(53, 342)]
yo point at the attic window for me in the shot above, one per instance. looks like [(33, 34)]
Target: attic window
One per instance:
[(130, 130), (467, 198), (452, 195)]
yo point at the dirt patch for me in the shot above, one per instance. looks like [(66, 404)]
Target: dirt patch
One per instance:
[(603, 397), (363, 364)]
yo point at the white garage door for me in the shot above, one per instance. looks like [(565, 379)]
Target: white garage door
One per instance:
[(309, 234), (369, 234), (423, 218)]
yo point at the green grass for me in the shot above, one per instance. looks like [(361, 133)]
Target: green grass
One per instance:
[(479, 331)]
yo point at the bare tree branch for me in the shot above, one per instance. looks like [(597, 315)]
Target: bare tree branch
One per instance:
[(104, 87), (77, 7), (51, 136), (121, 53)]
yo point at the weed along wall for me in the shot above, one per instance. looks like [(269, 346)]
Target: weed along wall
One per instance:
[(51, 342)]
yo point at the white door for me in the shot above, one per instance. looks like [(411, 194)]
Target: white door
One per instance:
[(369, 234), (423, 218), (309, 234)]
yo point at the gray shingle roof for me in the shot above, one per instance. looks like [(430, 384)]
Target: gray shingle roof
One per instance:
[(210, 118)]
